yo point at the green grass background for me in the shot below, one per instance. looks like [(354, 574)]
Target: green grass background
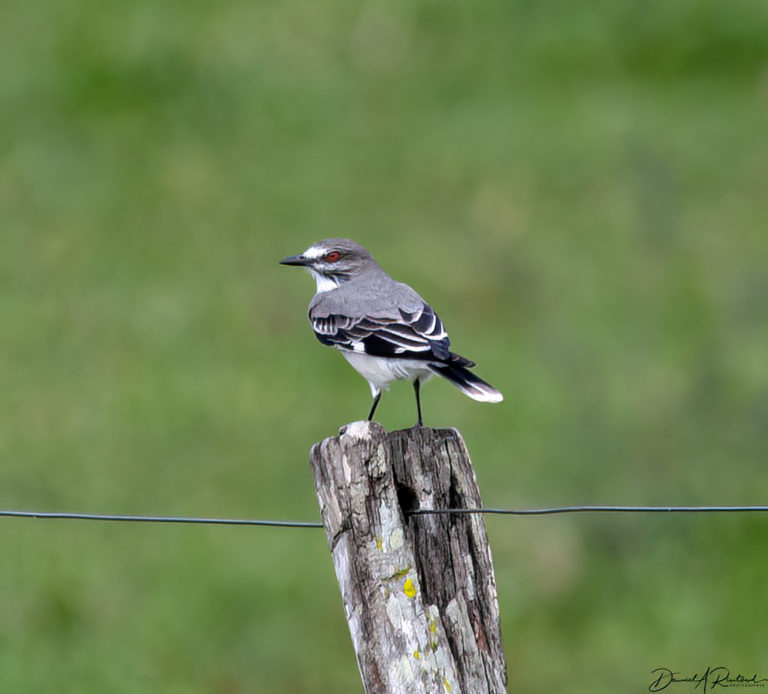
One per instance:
[(580, 190)]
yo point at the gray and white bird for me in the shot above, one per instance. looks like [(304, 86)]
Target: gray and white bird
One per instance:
[(383, 328)]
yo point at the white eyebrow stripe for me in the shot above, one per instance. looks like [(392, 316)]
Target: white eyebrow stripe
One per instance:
[(314, 252)]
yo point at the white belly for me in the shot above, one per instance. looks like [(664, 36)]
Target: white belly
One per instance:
[(381, 371)]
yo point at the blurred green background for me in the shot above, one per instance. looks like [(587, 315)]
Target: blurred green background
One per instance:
[(580, 190)]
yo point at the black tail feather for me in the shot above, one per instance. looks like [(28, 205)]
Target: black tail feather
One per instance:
[(469, 384)]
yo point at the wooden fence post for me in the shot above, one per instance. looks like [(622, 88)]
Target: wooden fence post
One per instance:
[(419, 592)]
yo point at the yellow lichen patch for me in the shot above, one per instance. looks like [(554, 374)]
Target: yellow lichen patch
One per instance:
[(447, 685), (433, 626), (398, 574), (417, 655), (379, 543), (409, 589)]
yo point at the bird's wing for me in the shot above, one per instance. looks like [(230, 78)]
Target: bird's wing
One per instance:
[(415, 334)]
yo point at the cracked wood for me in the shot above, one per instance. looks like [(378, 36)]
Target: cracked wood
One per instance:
[(419, 591)]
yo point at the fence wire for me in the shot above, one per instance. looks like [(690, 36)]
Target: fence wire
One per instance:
[(551, 510)]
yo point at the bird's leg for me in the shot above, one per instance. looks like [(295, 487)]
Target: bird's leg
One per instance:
[(376, 399), (416, 388)]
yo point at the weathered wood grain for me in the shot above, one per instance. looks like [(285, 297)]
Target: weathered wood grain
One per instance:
[(419, 592)]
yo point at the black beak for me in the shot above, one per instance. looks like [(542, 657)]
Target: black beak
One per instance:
[(295, 260)]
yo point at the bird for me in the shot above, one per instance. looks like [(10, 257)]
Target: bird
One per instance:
[(382, 327)]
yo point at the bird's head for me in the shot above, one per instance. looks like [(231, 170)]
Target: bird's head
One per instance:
[(333, 261)]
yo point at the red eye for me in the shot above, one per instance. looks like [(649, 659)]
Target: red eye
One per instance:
[(332, 257)]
